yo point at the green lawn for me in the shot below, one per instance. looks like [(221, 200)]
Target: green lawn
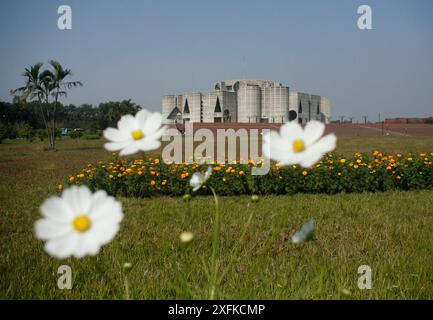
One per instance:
[(390, 232)]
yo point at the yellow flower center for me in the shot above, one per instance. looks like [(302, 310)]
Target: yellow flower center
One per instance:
[(298, 145), (137, 134), (82, 223)]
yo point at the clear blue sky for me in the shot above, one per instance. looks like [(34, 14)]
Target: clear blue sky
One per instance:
[(145, 49)]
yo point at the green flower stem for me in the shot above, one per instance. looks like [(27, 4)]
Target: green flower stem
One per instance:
[(215, 247), (126, 284)]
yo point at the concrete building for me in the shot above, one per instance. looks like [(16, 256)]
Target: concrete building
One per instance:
[(247, 101)]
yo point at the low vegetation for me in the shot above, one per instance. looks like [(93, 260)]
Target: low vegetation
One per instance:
[(389, 231)]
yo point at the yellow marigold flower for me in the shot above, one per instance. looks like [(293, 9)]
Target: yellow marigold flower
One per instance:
[(409, 159), (343, 161), (217, 168), (71, 178), (356, 166), (129, 170), (119, 175), (398, 177), (60, 186), (388, 168), (110, 176), (139, 172), (359, 161), (241, 172), (156, 161), (304, 173), (152, 182), (164, 182), (339, 174)]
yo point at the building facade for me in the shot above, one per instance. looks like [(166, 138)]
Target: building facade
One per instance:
[(246, 101)]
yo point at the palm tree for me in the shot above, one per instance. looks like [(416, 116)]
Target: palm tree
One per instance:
[(43, 85), (59, 87), (35, 87)]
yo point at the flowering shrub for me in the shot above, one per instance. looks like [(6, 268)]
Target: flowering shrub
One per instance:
[(333, 174)]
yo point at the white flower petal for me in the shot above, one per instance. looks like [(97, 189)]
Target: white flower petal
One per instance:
[(55, 208), (46, 229), (63, 247), (131, 148), (104, 233), (115, 135), (87, 244), (325, 144), (147, 144), (127, 123), (313, 131), (116, 146), (152, 123), (290, 130)]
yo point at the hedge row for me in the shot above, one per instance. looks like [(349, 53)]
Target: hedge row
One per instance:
[(334, 174)]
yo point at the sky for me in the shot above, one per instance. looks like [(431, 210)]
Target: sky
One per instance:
[(142, 49)]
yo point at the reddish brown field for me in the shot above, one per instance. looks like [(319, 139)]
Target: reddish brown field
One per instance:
[(341, 130)]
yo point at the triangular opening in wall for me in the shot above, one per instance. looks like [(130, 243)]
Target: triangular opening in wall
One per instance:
[(186, 108), (217, 106), (173, 114)]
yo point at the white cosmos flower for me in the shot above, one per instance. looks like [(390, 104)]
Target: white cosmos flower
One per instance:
[(78, 223), (294, 145), (140, 133), (198, 179), (305, 234)]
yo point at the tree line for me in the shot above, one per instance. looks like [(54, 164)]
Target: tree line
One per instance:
[(36, 108), (20, 119)]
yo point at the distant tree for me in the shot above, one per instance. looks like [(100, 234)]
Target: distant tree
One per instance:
[(109, 113)]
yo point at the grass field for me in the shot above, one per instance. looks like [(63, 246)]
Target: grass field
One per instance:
[(390, 232)]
